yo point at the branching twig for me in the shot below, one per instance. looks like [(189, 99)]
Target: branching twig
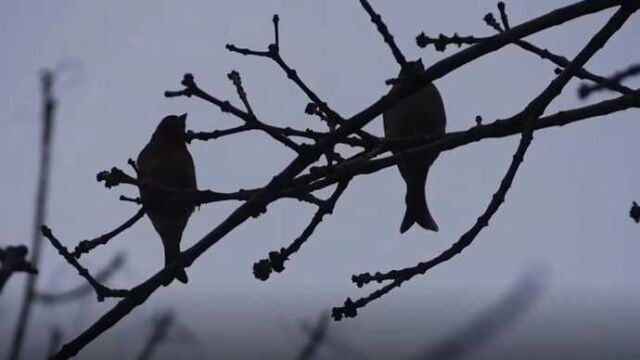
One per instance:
[(558, 60), (192, 89), (283, 182), (83, 290), (316, 337), (275, 262), (102, 291), (532, 112), (273, 53), (87, 245), (161, 327), (384, 31)]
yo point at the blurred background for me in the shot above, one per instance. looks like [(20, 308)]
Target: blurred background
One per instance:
[(563, 238)]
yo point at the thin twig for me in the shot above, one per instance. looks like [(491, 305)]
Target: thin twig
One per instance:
[(384, 31), (50, 298), (612, 82), (316, 337), (558, 60), (275, 262), (442, 41), (192, 89), (273, 53), (87, 245), (42, 192), (102, 291), (161, 327)]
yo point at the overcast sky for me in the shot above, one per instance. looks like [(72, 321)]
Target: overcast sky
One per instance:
[(566, 214)]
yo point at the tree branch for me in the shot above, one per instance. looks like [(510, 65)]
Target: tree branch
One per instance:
[(531, 112), (87, 245), (102, 291), (280, 182), (49, 298), (275, 262)]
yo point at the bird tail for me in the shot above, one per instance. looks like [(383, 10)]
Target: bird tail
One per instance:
[(171, 254), (417, 209)]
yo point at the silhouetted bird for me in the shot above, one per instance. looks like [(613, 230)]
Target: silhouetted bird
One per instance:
[(165, 161), (420, 114)]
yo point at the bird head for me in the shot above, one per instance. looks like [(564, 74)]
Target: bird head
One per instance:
[(412, 68), (171, 129)]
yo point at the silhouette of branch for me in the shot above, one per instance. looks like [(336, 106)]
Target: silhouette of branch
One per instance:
[(558, 60), (441, 42), (83, 290), (273, 53), (102, 291), (55, 341), (275, 262), (287, 131), (13, 259), (161, 327), (337, 343), (531, 112), (283, 183), (87, 245), (316, 337), (384, 31), (116, 177), (324, 177), (489, 323), (613, 82), (42, 192)]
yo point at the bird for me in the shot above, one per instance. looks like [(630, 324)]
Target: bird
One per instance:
[(420, 114), (166, 162)]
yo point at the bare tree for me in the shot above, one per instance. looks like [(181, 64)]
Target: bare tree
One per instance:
[(317, 164)]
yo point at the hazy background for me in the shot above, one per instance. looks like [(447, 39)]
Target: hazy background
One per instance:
[(566, 215)]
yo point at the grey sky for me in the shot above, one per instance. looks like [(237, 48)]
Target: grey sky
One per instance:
[(566, 211)]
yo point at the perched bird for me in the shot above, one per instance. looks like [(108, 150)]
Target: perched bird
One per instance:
[(165, 161), (421, 114)]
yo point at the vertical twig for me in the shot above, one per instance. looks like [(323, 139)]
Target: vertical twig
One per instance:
[(48, 110), (160, 329)]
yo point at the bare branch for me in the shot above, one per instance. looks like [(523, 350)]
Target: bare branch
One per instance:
[(531, 113), (83, 290), (48, 122), (558, 60), (283, 180), (440, 43), (102, 291), (87, 245), (611, 83), (161, 327), (192, 89), (275, 262), (489, 323), (384, 31), (316, 337), (273, 53)]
